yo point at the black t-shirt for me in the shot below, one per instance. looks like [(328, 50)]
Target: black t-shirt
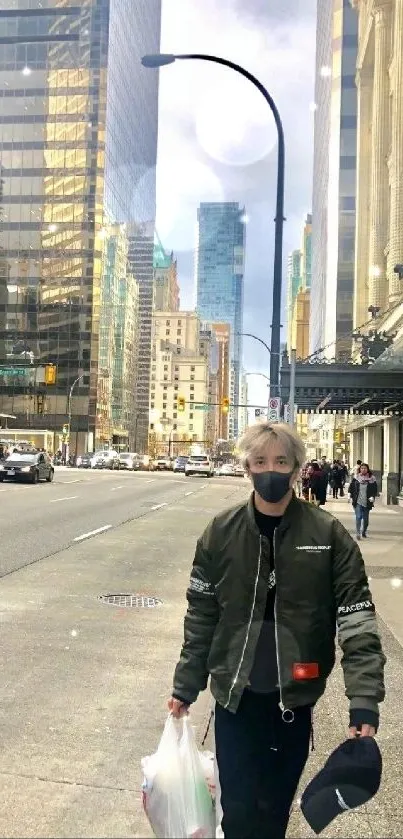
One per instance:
[(264, 675)]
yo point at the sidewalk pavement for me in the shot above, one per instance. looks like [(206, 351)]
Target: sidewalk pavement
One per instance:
[(84, 684)]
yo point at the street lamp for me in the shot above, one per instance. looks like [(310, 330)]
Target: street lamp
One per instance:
[(163, 59), (256, 338), (258, 374), (78, 379)]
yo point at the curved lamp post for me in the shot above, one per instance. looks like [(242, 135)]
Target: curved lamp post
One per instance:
[(167, 58)]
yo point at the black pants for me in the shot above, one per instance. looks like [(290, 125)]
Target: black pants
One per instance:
[(336, 490), (260, 761)]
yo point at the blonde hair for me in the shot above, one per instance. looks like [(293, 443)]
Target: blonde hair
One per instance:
[(258, 437)]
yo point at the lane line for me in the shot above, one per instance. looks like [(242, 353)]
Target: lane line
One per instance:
[(67, 498), (76, 481), (92, 533), (158, 506), (150, 481), (115, 488), (189, 493)]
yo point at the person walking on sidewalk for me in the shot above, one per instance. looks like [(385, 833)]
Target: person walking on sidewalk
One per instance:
[(271, 578), (363, 490), (336, 478)]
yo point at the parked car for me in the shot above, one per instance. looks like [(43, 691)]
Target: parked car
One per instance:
[(84, 461), (239, 470), (199, 464), (108, 459), (129, 460), (227, 469), (27, 466), (180, 463)]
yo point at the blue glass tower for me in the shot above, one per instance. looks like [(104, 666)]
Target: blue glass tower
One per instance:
[(220, 281)]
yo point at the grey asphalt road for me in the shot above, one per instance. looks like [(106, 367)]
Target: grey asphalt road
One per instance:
[(40, 521)]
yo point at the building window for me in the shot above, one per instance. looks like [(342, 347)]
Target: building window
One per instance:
[(192, 378), (152, 405), (176, 369), (348, 121), (165, 378), (175, 427), (192, 387), (152, 426), (167, 332), (348, 82), (164, 416), (174, 416), (179, 332), (347, 204), (178, 341), (191, 427), (165, 367), (165, 387), (168, 323), (191, 397), (176, 387), (164, 406), (179, 323), (192, 369), (191, 415)]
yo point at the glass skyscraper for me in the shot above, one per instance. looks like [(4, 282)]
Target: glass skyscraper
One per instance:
[(78, 140), (334, 181), (220, 270)]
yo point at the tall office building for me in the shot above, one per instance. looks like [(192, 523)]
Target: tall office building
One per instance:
[(334, 180), (220, 270), (380, 157), (78, 138)]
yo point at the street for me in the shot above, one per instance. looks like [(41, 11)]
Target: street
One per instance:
[(84, 683), (77, 505)]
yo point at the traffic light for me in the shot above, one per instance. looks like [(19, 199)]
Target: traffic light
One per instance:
[(50, 374), (181, 404), (225, 405), (338, 435)]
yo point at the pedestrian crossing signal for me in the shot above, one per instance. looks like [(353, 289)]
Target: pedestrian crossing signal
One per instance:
[(225, 405), (50, 374), (181, 404)]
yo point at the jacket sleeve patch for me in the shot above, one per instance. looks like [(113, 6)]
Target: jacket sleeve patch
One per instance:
[(201, 586), (351, 608)]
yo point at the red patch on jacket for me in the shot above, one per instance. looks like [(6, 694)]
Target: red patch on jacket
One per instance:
[(305, 671)]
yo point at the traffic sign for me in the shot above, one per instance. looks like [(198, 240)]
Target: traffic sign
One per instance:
[(287, 414), (274, 409), (202, 407)]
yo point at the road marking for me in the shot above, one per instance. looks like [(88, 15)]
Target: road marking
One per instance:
[(76, 481), (203, 486), (92, 533), (67, 498), (115, 488), (150, 481), (158, 506), (189, 493)]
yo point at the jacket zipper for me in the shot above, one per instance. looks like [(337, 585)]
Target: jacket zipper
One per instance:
[(286, 713), (235, 679)]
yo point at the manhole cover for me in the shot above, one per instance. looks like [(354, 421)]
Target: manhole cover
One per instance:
[(131, 601)]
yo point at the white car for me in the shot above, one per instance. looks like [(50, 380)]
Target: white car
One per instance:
[(227, 469), (199, 464)]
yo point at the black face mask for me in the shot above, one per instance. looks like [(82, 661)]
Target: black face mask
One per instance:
[(271, 486)]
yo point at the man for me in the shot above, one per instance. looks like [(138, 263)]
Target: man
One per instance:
[(270, 578), (326, 469)]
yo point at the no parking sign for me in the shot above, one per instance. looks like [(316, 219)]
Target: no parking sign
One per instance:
[(274, 409)]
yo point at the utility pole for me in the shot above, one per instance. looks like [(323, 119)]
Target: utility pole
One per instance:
[(291, 400)]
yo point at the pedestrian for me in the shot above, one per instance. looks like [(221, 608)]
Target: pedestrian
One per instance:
[(357, 468), (318, 483), (336, 479), (363, 490), (270, 579), (325, 465), (305, 479)]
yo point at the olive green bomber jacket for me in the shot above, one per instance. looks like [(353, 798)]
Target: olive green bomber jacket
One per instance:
[(320, 583)]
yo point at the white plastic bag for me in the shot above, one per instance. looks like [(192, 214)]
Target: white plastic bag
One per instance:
[(176, 797)]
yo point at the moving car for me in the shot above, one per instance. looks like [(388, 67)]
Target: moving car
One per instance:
[(199, 464), (239, 470), (144, 462), (27, 466), (180, 463), (129, 460), (105, 460), (162, 464), (84, 461)]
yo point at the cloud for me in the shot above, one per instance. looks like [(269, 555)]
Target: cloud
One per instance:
[(217, 137)]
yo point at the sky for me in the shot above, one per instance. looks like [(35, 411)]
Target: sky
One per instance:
[(218, 141)]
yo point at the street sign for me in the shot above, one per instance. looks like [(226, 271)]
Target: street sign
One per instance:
[(287, 413), (274, 409), (201, 407)]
